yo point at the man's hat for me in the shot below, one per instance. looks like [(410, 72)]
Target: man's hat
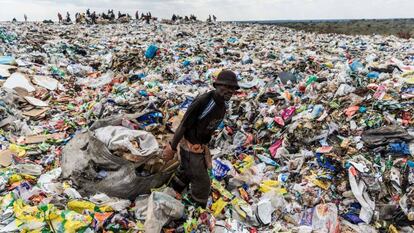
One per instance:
[(227, 78)]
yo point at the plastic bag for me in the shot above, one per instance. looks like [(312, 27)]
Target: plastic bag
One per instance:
[(85, 156), (151, 51)]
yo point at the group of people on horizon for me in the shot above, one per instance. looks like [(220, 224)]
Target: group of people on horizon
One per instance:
[(186, 18), (192, 18), (209, 18), (92, 17)]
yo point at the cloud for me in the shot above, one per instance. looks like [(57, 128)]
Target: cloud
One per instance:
[(223, 9)]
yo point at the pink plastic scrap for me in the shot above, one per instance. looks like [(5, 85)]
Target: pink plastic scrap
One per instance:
[(288, 113), (273, 149), (279, 121)]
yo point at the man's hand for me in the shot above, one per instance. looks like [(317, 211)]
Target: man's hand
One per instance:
[(168, 153)]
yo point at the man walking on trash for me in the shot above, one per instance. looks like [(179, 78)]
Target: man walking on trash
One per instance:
[(200, 121)]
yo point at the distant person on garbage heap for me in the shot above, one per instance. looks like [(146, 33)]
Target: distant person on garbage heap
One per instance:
[(200, 121), (147, 18), (68, 17), (60, 17), (93, 17)]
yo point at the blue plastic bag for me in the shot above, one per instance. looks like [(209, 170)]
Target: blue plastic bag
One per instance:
[(186, 63), (150, 118), (400, 148), (232, 40), (151, 51), (373, 75), (356, 65)]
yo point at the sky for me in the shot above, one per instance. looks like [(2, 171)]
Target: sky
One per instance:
[(223, 9)]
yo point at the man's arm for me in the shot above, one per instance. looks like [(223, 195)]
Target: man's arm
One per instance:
[(179, 133), (189, 119)]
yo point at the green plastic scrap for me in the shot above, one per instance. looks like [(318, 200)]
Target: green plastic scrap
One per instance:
[(334, 105), (311, 79), (44, 146)]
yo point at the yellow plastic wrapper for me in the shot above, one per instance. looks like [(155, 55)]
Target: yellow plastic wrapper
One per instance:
[(329, 65), (28, 177), (20, 151), (15, 178), (245, 164), (321, 184), (241, 207), (65, 185), (106, 208), (269, 185), (236, 206), (80, 206), (218, 206), (74, 221), (33, 217), (215, 184)]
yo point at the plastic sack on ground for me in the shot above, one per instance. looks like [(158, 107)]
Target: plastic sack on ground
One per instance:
[(161, 208), (90, 165), (119, 138)]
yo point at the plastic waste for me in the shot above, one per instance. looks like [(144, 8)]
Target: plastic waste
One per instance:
[(161, 208), (220, 169), (7, 60), (318, 138), (97, 82), (151, 51)]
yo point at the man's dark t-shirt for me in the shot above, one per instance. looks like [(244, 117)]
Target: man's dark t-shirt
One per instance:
[(203, 117)]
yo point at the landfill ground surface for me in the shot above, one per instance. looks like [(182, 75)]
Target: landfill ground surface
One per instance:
[(318, 139)]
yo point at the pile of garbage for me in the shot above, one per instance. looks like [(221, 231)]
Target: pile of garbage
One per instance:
[(318, 139)]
